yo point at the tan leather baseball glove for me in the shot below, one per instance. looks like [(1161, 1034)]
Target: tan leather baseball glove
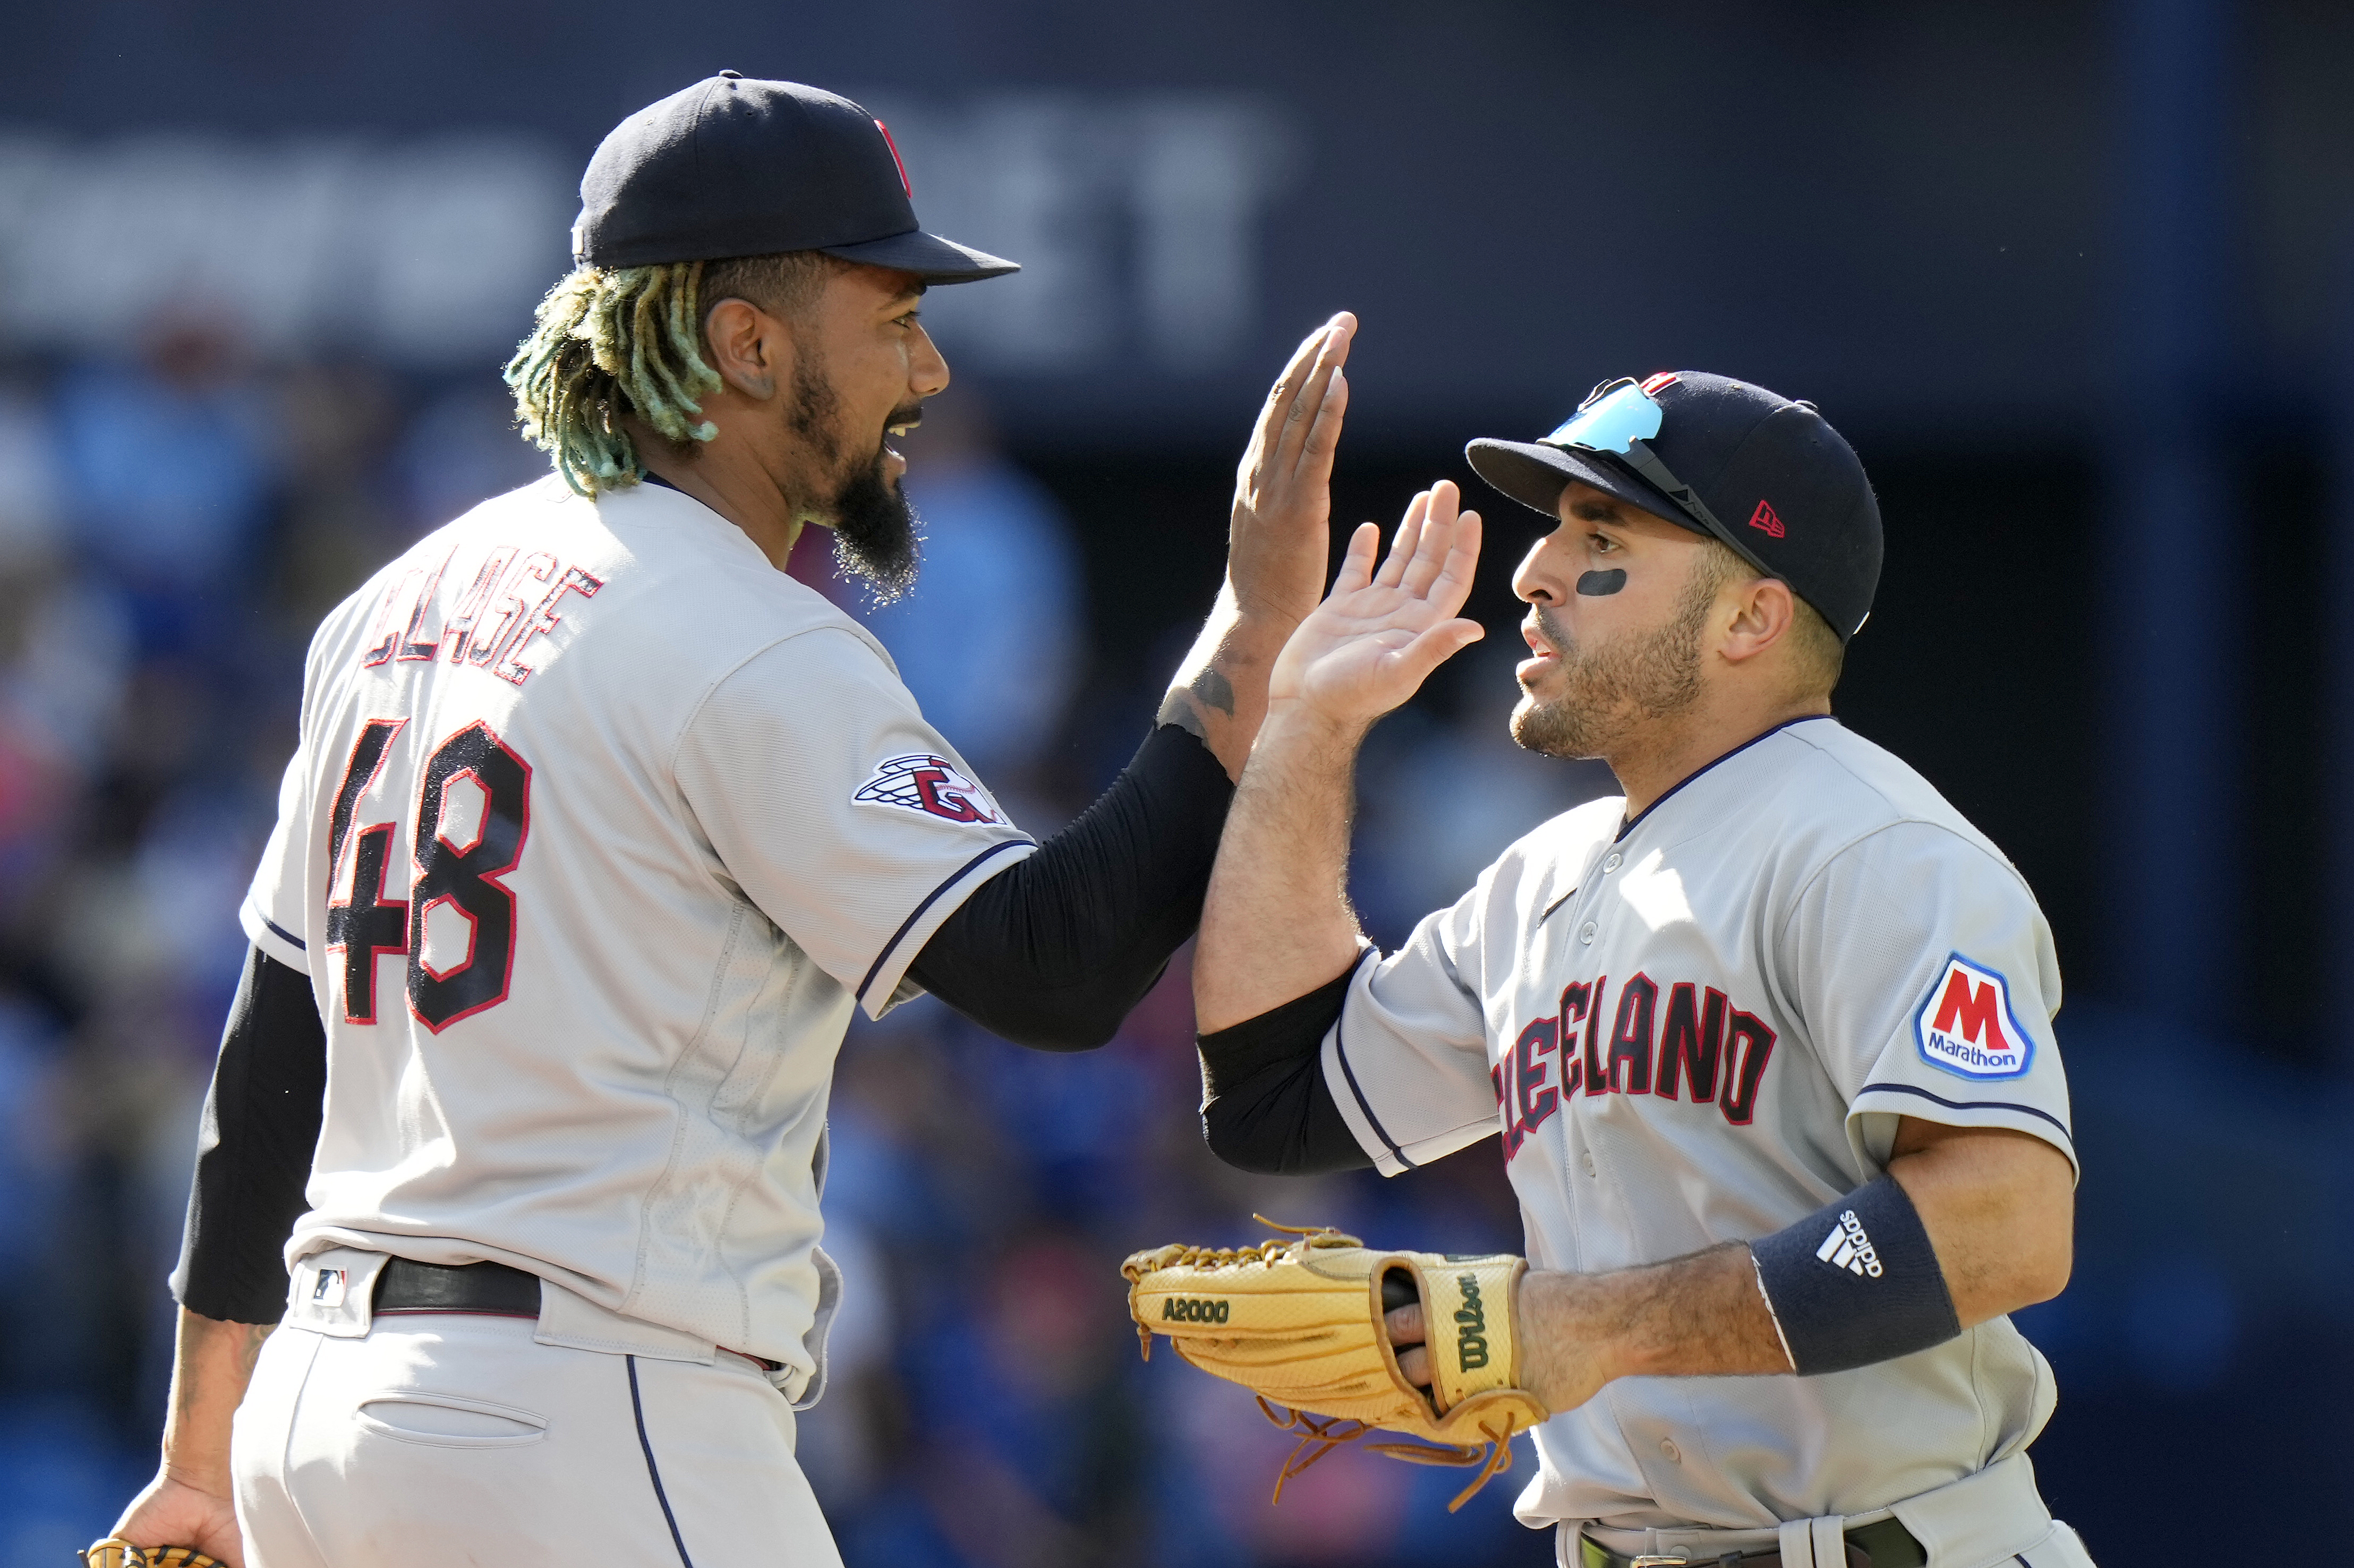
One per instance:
[(1299, 1324), (115, 1552)]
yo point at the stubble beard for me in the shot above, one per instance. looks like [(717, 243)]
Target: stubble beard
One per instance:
[(877, 538), (1607, 691)]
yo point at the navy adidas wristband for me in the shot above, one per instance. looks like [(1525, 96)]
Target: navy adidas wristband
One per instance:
[(1855, 1282)]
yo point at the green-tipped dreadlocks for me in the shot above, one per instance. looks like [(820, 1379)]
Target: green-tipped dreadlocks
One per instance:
[(629, 339), (607, 342)]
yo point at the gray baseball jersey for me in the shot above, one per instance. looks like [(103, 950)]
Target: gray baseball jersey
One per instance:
[(598, 827), (1702, 1029)]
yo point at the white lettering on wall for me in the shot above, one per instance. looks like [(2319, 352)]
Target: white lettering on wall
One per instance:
[(1138, 219), (430, 254)]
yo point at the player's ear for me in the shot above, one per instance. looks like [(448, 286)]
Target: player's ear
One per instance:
[(1761, 615), (748, 347)]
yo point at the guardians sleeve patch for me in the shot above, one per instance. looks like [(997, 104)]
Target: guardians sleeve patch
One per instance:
[(1966, 1025), (928, 784)]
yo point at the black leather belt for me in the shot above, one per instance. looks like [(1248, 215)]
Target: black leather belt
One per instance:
[(487, 1289), (1887, 1544), (484, 1289)]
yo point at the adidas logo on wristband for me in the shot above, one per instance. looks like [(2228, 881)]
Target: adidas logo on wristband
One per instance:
[(1848, 1247)]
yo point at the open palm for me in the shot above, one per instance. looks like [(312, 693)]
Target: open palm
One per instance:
[(1379, 632)]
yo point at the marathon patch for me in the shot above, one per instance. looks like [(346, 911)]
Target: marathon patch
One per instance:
[(1966, 1025), (929, 784)]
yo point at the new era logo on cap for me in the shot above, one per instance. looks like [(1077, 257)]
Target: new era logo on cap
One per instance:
[(1766, 521)]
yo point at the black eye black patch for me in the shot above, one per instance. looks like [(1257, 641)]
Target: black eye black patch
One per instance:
[(1601, 585)]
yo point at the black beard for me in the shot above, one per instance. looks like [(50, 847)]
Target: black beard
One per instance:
[(876, 536), (876, 531)]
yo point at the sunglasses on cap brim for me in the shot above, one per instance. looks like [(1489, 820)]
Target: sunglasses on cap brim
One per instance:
[(1619, 417)]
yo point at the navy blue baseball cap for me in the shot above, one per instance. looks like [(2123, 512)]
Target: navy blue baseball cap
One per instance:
[(734, 166), (1762, 474)]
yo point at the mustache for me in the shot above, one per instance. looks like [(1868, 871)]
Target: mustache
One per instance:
[(1550, 627), (910, 414)]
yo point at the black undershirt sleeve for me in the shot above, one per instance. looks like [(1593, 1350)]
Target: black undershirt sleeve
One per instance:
[(253, 1154), (1054, 951), (1265, 1105)]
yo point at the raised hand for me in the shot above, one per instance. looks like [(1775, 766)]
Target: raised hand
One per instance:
[(1275, 925), (1276, 550), (1381, 631)]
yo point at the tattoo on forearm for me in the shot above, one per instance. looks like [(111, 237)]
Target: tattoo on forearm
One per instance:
[(1215, 689), (189, 1383), (1187, 706), (1180, 709)]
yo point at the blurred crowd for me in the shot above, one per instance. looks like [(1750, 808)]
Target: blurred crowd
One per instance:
[(171, 528)]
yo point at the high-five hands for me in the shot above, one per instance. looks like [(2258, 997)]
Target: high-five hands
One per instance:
[(1276, 550), (1273, 926), (1381, 632)]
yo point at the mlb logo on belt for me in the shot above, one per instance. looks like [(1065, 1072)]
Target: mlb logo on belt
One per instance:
[(1967, 1027)]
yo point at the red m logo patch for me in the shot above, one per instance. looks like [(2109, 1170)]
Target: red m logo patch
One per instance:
[(1972, 1013), (1966, 1024)]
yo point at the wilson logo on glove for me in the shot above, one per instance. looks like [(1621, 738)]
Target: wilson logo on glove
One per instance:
[(1472, 1319), (1301, 1324)]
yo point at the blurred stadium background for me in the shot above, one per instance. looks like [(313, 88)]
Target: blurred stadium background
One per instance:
[(2078, 280)]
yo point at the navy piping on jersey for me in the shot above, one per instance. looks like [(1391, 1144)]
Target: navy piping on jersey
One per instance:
[(649, 477), (638, 1408), (1341, 1049), (929, 899), (1970, 1105), (1629, 826), (283, 934)]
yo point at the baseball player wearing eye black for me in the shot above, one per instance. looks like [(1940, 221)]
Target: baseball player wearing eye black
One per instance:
[(598, 827), (1767, 1041)]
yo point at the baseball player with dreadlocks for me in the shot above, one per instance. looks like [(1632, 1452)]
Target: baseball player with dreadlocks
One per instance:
[(598, 827)]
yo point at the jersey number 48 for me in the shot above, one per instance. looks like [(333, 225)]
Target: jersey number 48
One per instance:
[(462, 875)]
